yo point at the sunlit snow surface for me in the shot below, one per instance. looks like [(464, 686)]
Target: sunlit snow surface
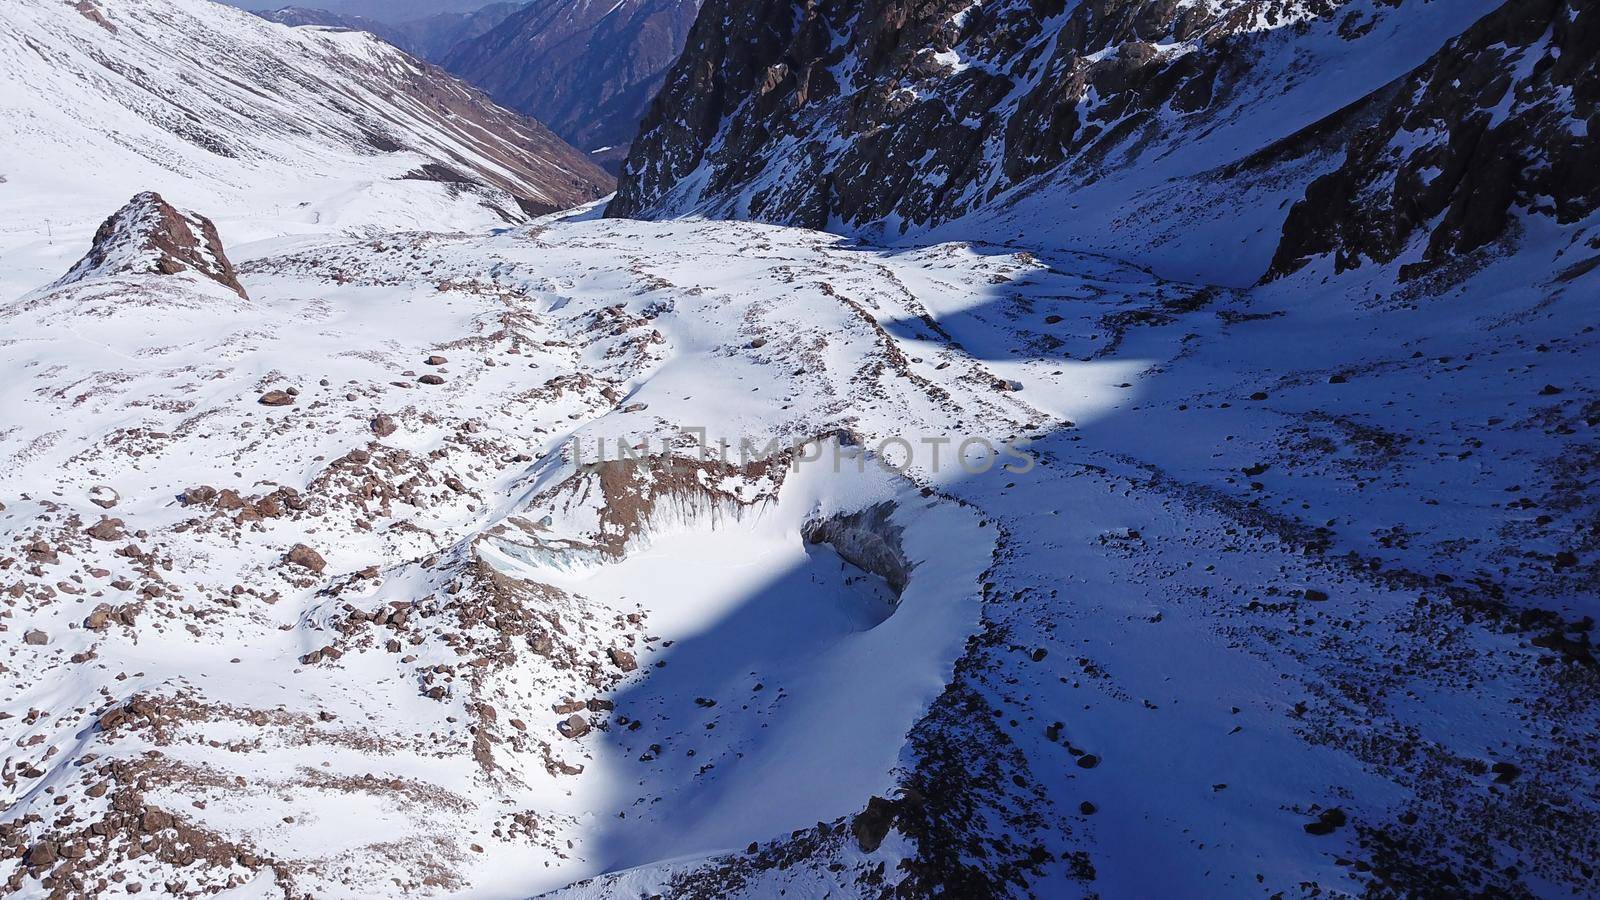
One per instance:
[(267, 130), (1209, 458), (1127, 562)]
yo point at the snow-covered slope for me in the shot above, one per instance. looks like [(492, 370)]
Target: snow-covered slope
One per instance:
[(431, 37), (1288, 588), (303, 130), (309, 589)]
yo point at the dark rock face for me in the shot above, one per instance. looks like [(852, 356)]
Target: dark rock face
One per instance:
[(924, 111), (151, 237), (871, 826), (891, 114), (867, 539), (587, 70), (1501, 119)]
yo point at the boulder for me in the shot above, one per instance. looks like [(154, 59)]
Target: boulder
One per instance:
[(107, 530), (871, 825), (306, 558)]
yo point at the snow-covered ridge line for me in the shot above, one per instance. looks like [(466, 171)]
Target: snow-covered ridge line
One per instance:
[(271, 130)]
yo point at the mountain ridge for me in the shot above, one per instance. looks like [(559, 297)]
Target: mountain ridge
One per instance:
[(216, 109), (612, 57), (984, 525)]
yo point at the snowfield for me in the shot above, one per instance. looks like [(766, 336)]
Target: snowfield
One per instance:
[(269, 130), (995, 563), (1145, 645)]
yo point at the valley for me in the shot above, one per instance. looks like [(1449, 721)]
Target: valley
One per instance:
[(316, 582)]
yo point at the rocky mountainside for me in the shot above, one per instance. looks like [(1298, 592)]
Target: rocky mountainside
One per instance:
[(1140, 113), (1499, 123), (586, 68), (216, 109), (150, 237)]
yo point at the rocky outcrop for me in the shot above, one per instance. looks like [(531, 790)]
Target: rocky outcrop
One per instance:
[(588, 70), (1501, 120), (915, 113), (151, 237)]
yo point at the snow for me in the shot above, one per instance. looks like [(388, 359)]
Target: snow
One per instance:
[(263, 128), (753, 605), (1142, 595), (742, 597)]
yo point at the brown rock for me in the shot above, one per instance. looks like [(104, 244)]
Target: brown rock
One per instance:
[(155, 819), (204, 493), (41, 552), (622, 659), (436, 360), (150, 237), (383, 425), (431, 379), (574, 726), (107, 530), (99, 619), (306, 558), (42, 854), (35, 637), (276, 398)]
